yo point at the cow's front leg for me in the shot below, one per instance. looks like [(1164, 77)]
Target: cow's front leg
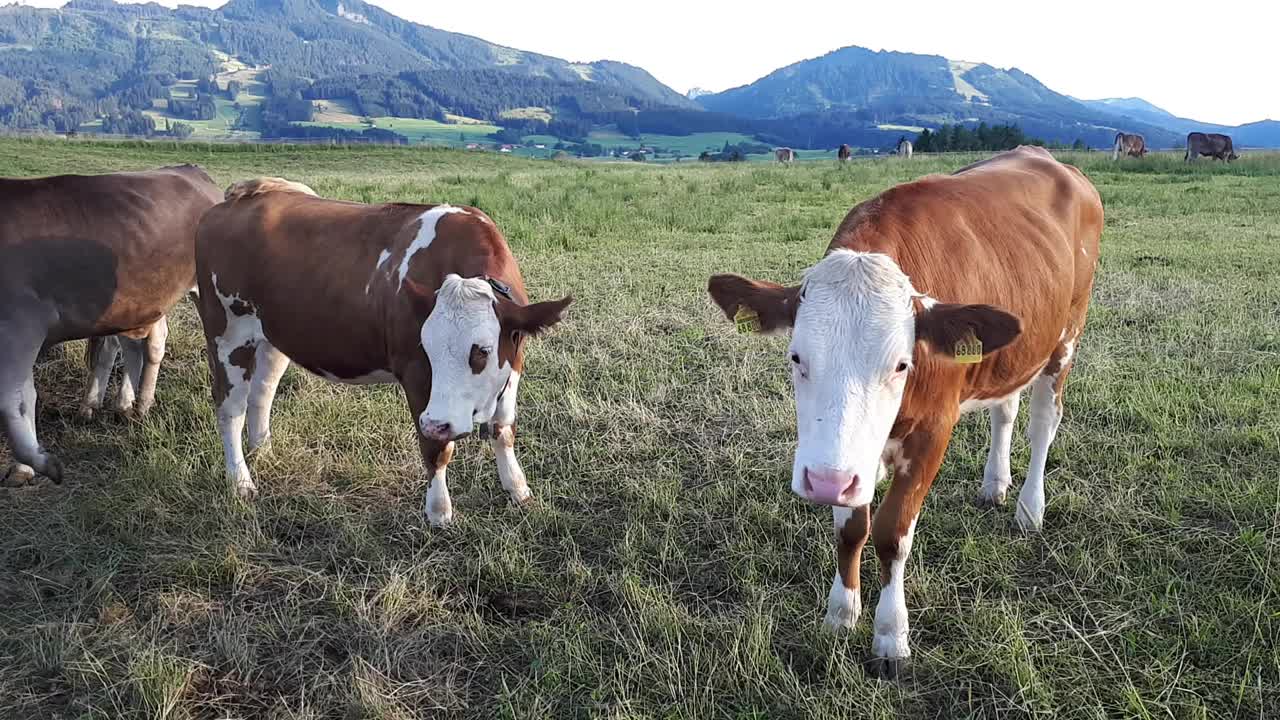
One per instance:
[(437, 504), (510, 474), (844, 602), (893, 530)]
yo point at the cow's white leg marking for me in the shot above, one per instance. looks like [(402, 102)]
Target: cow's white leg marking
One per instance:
[(102, 359), (243, 333), (1046, 414), (998, 475), (18, 411), (437, 503), (510, 474), (844, 606), (891, 627), (269, 367), (153, 348)]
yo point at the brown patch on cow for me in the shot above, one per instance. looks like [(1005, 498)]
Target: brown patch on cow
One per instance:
[(850, 539), (477, 359), (244, 357), (22, 408), (221, 384), (774, 304), (506, 436), (445, 455)]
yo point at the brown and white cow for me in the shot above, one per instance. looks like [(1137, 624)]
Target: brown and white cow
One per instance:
[(844, 153), (1214, 145), (784, 155), (904, 148), (85, 256), (938, 297), (1129, 145), (427, 296)]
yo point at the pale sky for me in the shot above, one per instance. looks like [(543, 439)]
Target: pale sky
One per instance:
[(1214, 64)]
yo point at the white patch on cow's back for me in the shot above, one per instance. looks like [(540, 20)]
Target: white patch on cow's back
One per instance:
[(382, 260), (377, 377), (426, 234)]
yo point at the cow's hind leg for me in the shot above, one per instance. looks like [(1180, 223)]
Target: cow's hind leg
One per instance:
[(152, 349), (133, 354), (510, 474), (100, 356), (269, 367), (1046, 415), (997, 477), (232, 358)]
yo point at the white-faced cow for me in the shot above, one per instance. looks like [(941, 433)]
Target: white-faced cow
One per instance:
[(844, 153), (1129, 145), (904, 148), (1214, 145), (785, 155), (87, 256), (426, 296), (938, 297)]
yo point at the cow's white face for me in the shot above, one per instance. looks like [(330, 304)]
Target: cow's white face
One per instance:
[(850, 353), (461, 337), (856, 324)]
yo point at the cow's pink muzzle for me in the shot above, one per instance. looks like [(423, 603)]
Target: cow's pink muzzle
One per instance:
[(828, 486)]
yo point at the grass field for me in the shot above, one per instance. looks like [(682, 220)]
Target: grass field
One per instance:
[(665, 570)]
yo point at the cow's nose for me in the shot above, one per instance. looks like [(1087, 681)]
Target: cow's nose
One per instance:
[(829, 486), (441, 431)]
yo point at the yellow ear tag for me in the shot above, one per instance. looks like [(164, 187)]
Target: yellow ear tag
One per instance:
[(747, 320), (968, 350)]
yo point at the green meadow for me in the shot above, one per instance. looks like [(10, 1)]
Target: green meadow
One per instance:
[(664, 569)]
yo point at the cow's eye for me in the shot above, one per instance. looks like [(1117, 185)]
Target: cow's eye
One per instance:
[(903, 366), (483, 351)]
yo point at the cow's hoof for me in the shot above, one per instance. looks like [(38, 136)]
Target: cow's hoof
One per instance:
[(139, 412), (439, 512), (86, 412), (522, 500), (1028, 522), (19, 475), (886, 668), (246, 491), (987, 501)]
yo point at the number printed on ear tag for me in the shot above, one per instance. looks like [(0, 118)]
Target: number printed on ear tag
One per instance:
[(968, 350), (747, 320)]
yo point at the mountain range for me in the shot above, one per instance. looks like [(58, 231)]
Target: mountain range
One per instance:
[(269, 66)]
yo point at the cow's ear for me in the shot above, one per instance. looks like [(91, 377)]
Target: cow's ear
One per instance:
[(959, 331), (533, 319), (756, 305), (422, 299)]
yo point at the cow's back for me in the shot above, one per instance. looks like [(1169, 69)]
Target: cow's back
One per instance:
[(1019, 231), (109, 252)]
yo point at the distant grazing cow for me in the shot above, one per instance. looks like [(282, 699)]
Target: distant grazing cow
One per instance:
[(904, 148), (785, 155), (844, 153), (938, 297), (426, 296), (1214, 145), (1129, 145), (87, 256)]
